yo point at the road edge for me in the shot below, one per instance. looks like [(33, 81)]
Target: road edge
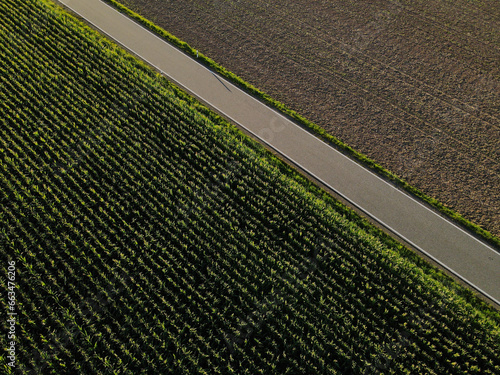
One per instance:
[(313, 128), (464, 291)]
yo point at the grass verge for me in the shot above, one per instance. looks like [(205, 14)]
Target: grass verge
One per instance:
[(314, 128), (468, 296)]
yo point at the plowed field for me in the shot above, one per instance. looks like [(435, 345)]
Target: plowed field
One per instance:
[(412, 84)]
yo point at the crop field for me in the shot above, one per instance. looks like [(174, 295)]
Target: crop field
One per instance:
[(141, 233), (414, 85)]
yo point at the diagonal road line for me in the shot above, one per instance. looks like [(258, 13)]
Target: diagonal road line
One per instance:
[(462, 254)]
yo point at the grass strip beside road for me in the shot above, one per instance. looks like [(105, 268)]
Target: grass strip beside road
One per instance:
[(314, 128), (292, 173)]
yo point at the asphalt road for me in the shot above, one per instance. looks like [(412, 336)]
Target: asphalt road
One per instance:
[(454, 249)]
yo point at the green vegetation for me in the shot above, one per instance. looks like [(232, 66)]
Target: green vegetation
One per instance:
[(390, 176), (150, 236)]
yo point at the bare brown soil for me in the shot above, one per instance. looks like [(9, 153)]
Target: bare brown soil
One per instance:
[(414, 85)]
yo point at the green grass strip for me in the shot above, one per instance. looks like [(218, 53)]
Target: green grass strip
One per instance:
[(292, 173), (314, 128)]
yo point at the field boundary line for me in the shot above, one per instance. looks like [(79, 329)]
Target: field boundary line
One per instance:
[(307, 135), (313, 128)]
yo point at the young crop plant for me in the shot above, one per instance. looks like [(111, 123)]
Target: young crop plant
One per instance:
[(150, 236)]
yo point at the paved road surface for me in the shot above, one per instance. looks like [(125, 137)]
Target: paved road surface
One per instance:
[(450, 246)]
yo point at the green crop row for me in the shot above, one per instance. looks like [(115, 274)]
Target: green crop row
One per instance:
[(151, 236)]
